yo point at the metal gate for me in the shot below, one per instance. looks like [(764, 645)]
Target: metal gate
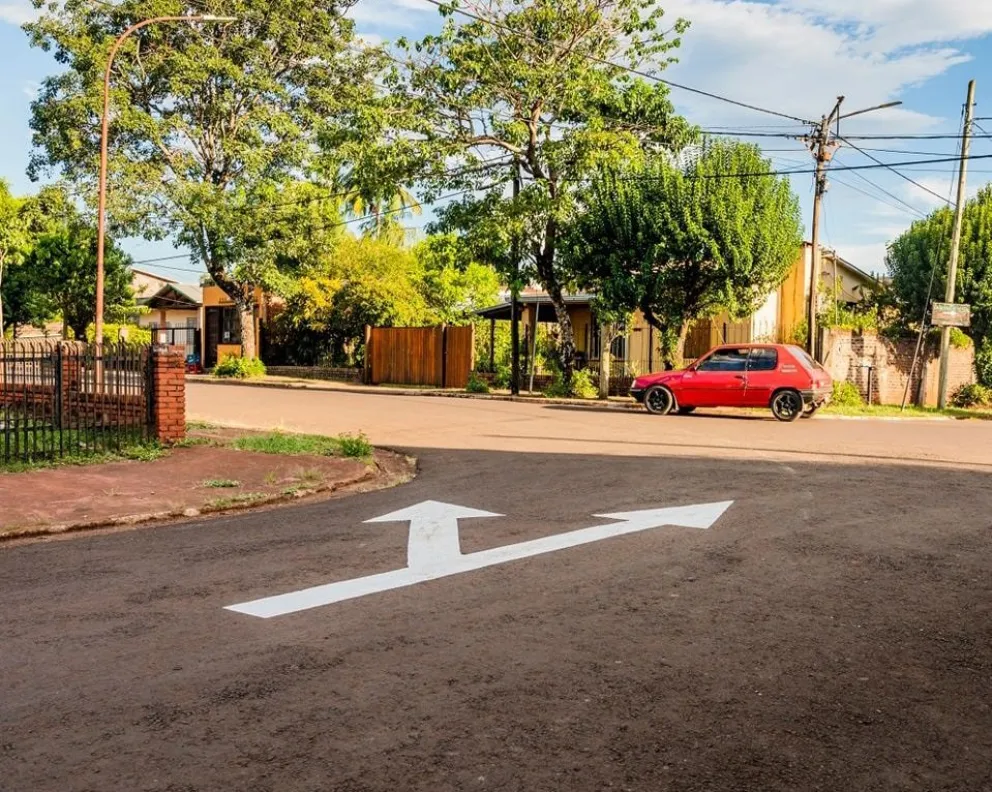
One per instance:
[(440, 357)]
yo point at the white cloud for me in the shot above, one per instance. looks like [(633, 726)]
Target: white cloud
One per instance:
[(30, 89), (391, 14), (796, 56), (18, 13)]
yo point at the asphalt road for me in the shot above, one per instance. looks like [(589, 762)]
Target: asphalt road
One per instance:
[(831, 631)]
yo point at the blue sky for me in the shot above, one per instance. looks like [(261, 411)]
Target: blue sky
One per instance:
[(795, 56)]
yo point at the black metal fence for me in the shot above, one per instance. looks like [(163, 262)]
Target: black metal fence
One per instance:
[(186, 337), (63, 400)]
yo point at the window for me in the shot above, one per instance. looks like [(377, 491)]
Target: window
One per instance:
[(725, 360), (805, 360), (763, 359)]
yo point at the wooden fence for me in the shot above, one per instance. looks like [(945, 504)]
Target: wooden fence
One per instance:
[(440, 357)]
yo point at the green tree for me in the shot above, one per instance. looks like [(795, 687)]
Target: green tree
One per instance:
[(62, 264), (454, 286), (681, 241), (210, 121), (361, 281), (531, 83), (924, 249), (13, 237)]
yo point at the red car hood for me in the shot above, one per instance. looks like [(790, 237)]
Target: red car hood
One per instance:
[(659, 378)]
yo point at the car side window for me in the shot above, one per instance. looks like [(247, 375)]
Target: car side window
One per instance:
[(725, 360), (763, 359)]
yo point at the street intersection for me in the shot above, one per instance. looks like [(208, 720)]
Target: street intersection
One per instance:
[(749, 610)]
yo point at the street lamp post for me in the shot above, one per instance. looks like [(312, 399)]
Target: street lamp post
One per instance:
[(101, 221)]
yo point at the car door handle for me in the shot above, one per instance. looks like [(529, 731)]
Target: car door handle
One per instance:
[(738, 376)]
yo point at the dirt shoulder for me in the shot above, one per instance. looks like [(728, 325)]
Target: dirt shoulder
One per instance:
[(207, 476)]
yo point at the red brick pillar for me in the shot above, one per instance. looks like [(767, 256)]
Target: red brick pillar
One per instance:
[(168, 393)]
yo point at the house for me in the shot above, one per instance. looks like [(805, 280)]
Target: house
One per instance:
[(639, 349), (203, 319)]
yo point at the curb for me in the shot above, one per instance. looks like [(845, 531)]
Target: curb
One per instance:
[(588, 404), (435, 394), (176, 515)]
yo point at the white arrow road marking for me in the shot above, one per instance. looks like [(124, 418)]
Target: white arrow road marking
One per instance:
[(434, 540), (431, 526)]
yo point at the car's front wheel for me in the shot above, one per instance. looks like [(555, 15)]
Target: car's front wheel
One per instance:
[(787, 405), (659, 400)]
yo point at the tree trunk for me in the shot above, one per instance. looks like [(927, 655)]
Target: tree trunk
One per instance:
[(605, 358), (248, 346), (544, 258), (679, 358)]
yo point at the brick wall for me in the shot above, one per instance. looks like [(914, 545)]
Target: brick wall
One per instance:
[(336, 373), (852, 356), (169, 393)]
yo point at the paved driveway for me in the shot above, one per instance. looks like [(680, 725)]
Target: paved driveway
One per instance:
[(812, 617)]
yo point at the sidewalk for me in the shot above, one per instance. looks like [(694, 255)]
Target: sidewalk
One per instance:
[(293, 383), (187, 482)]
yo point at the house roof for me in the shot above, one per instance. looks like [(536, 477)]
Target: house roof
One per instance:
[(175, 296), (540, 299), (153, 275), (857, 272)]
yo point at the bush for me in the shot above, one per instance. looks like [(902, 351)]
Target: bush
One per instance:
[(581, 387), (236, 367), (502, 377), (476, 384), (960, 339), (355, 446), (983, 362), (972, 396), (846, 394), (133, 334)]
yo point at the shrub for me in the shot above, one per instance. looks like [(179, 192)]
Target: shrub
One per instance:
[(960, 339), (983, 362), (236, 367), (355, 446), (846, 394), (581, 387), (972, 396), (476, 384), (133, 334), (502, 377)]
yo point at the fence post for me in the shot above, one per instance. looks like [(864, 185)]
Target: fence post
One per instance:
[(367, 372), (168, 396)]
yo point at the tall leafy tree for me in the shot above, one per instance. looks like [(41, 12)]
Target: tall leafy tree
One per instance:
[(210, 121), (531, 83), (13, 236), (681, 240), (924, 251), (62, 267)]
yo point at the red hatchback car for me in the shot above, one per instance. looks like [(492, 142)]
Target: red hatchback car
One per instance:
[(778, 376)]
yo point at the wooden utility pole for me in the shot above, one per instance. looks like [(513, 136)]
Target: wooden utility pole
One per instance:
[(952, 267), (515, 300), (823, 150)]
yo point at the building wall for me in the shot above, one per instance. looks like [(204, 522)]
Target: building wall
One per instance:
[(170, 318), (848, 356), (146, 284)]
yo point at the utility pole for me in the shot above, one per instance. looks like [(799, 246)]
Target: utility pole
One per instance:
[(515, 299), (823, 150), (824, 146), (952, 267)]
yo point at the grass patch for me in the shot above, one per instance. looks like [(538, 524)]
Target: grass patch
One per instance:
[(221, 484), (894, 411), (147, 452), (355, 446), (247, 499)]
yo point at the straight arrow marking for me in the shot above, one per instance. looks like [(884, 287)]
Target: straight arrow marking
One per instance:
[(430, 527)]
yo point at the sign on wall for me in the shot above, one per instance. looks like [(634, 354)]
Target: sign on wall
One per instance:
[(951, 315)]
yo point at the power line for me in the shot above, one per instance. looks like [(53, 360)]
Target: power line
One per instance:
[(848, 137), (882, 190), (904, 208), (637, 72), (892, 167)]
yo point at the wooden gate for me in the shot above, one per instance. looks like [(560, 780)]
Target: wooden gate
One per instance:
[(441, 357)]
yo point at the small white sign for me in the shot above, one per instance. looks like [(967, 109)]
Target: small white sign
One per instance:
[(434, 551)]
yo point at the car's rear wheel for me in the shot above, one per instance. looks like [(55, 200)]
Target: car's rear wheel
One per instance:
[(787, 405), (686, 410), (659, 400), (811, 411)]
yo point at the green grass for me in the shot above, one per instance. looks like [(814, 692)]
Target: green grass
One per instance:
[(248, 498), (136, 451), (893, 411), (354, 446), (220, 484)]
